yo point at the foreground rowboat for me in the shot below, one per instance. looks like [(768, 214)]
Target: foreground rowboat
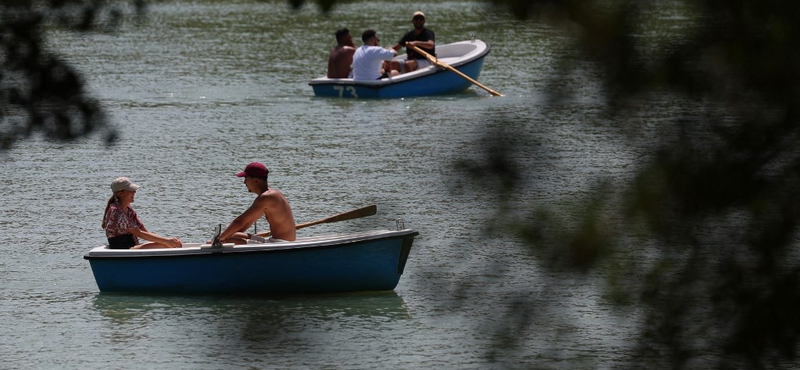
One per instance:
[(367, 261), (465, 56)]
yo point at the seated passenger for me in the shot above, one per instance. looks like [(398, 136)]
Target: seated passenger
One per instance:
[(340, 61), (122, 224), (368, 59)]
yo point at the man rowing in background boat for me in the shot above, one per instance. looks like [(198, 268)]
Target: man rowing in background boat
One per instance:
[(270, 202), (420, 37)]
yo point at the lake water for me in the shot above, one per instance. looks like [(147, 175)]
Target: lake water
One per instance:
[(204, 87)]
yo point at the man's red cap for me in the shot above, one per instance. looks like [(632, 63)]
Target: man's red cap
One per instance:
[(254, 169)]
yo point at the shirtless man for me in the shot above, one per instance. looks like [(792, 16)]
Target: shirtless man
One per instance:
[(341, 57), (270, 203)]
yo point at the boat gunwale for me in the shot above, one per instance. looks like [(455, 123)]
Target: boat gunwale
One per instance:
[(306, 244)]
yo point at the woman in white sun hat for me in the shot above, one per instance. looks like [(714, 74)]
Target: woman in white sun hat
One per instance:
[(122, 224)]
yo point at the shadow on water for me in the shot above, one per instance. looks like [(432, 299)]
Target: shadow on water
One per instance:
[(276, 309), (277, 329)]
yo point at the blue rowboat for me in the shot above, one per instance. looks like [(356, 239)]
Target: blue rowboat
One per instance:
[(367, 261), (465, 56)]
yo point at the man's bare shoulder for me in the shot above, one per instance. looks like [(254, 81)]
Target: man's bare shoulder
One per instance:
[(270, 194), (343, 49)]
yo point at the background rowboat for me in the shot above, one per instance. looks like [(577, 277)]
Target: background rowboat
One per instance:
[(465, 56)]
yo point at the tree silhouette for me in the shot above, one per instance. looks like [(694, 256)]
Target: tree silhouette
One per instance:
[(718, 196), (39, 91)]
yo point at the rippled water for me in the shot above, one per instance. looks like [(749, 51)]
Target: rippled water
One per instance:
[(204, 87)]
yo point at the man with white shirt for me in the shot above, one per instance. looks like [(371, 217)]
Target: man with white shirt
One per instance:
[(368, 59)]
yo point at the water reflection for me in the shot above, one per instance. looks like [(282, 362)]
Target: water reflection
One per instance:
[(126, 309), (284, 329)]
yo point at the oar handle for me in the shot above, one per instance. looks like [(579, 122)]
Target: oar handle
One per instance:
[(349, 215), (436, 61)]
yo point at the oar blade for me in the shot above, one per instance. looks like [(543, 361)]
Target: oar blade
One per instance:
[(358, 213)]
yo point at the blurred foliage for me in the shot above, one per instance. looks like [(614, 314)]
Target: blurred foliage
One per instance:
[(717, 197), (39, 91)]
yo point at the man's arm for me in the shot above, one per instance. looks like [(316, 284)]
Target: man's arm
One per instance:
[(422, 44), (243, 222), (388, 53)]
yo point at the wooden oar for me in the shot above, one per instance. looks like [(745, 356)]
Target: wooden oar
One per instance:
[(439, 63), (349, 215)]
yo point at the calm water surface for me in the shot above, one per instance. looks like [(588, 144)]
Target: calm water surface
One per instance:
[(204, 87)]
